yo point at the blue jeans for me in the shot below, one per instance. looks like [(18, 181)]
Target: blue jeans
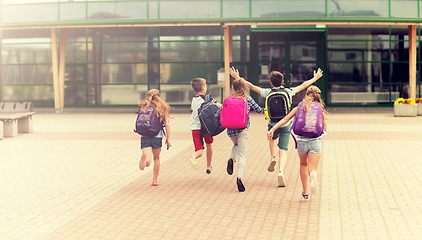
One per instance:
[(153, 142), (312, 146)]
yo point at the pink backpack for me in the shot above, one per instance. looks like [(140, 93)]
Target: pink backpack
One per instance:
[(234, 113)]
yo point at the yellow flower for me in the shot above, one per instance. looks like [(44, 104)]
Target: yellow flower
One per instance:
[(399, 101)]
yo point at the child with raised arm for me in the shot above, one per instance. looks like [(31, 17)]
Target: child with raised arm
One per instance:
[(308, 148), (200, 87), (151, 145), (239, 137), (283, 132)]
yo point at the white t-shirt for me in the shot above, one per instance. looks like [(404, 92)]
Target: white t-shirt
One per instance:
[(197, 101), (290, 91)]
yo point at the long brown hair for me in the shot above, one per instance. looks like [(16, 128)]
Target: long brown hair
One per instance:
[(239, 87), (313, 94), (162, 108)]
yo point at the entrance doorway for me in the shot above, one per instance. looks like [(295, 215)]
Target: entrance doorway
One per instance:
[(295, 54), (76, 91)]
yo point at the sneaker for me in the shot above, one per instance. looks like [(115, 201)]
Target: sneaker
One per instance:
[(193, 162), (306, 197), (209, 169), (314, 182), (154, 183), (230, 166), (272, 164), (281, 182), (240, 186)]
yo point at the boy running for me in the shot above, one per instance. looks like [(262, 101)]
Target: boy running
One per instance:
[(283, 132)]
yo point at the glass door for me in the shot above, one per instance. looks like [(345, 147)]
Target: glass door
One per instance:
[(296, 55)]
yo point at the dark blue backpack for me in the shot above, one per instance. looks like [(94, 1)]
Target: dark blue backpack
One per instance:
[(147, 121), (210, 121)]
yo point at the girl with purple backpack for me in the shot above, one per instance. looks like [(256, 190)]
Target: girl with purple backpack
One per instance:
[(151, 145), (309, 125), (239, 136)]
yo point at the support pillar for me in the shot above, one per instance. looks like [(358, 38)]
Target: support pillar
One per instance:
[(228, 57), (412, 61)]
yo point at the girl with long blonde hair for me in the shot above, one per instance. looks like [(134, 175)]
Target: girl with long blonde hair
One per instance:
[(239, 137), (151, 146), (309, 149)]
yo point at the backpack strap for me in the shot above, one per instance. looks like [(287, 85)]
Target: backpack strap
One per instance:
[(294, 138)]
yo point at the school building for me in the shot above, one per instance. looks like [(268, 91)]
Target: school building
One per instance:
[(102, 53)]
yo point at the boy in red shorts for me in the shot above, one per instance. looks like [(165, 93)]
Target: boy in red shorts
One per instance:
[(200, 87)]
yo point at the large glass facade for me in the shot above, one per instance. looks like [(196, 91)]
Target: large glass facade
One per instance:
[(116, 65), (368, 65)]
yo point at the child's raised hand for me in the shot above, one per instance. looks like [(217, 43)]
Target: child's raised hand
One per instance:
[(318, 73), (234, 72)]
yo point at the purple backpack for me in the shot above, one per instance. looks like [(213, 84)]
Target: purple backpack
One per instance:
[(309, 124), (147, 121)]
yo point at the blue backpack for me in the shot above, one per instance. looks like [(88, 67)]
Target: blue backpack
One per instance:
[(147, 121), (210, 121)]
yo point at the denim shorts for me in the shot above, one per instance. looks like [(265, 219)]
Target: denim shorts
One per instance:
[(313, 146), (153, 142), (283, 135)]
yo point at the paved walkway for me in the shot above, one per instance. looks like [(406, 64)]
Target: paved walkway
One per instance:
[(77, 177)]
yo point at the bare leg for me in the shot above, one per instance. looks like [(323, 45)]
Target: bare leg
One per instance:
[(282, 160), (145, 158), (156, 155), (313, 160), (271, 143), (304, 172), (209, 154)]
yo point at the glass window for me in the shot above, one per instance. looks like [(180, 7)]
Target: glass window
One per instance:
[(236, 9), (75, 35), (358, 51), (404, 8), (357, 8), (117, 94), (190, 33), (26, 36), (153, 10), (117, 10), (75, 94), (271, 51), (185, 72), (27, 74), (117, 52), (29, 13), (38, 95), (241, 32), (118, 73), (26, 53), (240, 51), (117, 34), (358, 32), (189, 9), (75, 52), (26, 1), (183, 93), (301, 72), (303, 51), (190, 51), (72, 11), (288, 8), (358, 72)]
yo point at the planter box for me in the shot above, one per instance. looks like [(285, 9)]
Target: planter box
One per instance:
[(419, 109), (405, 110)]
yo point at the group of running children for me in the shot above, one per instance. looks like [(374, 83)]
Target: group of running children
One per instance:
[(309, 116)]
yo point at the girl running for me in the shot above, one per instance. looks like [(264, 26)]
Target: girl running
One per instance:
[(151, 145)]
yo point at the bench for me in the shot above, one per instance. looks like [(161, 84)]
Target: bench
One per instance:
[(15, 117)]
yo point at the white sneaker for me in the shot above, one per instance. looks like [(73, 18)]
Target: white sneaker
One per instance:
[(193, 162), (273, 162), (281, 182), (209, 169), (314, 182)]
